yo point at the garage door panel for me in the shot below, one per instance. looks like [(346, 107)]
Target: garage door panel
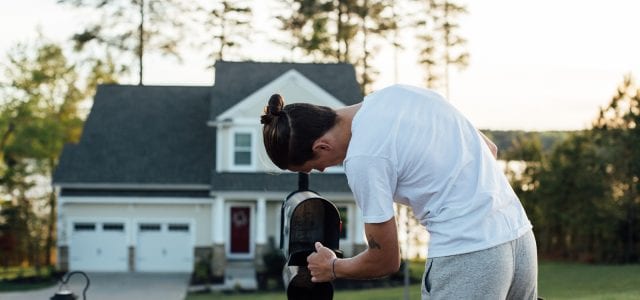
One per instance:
[(165, 247), (93, 248)]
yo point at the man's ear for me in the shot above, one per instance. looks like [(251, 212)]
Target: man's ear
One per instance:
[(322, 144)]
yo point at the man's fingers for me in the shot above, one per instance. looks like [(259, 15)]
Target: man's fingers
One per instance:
[(318, 246)]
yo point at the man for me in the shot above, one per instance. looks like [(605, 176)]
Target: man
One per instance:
[(409, 145)]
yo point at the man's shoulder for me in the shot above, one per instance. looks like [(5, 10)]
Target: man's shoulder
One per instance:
[(405, 91)]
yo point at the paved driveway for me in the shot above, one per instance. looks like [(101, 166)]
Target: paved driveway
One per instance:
[(109, 286)]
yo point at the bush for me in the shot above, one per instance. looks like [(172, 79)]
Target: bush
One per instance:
[(274, 262), (201, 272)]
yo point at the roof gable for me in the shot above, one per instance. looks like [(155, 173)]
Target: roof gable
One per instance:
[(236, 81), (292, 85)]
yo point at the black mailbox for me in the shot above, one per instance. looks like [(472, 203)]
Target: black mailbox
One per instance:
[(307, 218)]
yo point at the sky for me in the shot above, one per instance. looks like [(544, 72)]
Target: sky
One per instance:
[(535, 65)]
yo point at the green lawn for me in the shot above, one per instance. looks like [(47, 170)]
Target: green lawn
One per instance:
[(31, 279), (576, 281), (557, 281), (13, 272)]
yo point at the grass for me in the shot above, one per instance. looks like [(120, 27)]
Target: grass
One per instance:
[(578, 281), (16, 287), (556, 281), (15, 272), (24, 279)]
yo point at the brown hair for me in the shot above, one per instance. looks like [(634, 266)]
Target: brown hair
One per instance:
[(289, 131)]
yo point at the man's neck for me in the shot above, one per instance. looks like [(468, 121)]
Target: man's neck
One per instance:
[(346, 115), (343, 124)]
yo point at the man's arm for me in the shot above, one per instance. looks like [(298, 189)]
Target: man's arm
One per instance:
[(490, 144), (382, 258)]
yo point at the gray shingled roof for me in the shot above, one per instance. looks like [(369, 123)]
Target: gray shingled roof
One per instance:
[(237, 80), (143, 135), (284, 182)]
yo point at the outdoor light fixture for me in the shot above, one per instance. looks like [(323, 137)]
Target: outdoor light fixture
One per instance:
[(64, 293), (307, 218)]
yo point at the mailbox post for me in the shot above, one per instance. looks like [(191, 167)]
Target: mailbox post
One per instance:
[(307, 218)]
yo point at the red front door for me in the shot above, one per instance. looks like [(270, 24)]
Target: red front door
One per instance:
[(240, 228)]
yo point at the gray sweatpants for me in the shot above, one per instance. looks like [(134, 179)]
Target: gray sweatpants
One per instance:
[(506, 271)]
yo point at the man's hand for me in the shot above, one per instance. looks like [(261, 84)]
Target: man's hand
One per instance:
[(320, 264), (382, 258)]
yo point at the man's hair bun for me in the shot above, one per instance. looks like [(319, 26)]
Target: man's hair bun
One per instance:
[(273, 109), (276, 103)]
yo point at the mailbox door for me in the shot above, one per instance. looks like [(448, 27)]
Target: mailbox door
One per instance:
[(308, 218)]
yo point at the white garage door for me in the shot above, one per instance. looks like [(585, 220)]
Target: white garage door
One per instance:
[(164, 247), (98, 246)]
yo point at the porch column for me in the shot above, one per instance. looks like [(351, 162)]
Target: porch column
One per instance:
[(217, 220), (219, 260), (261, 233), (261, 221)]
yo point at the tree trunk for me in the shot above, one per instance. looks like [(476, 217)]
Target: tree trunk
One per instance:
[(365, 56), (141, 45), (447, 54), (339, 33), (51, 226), (629, 241)]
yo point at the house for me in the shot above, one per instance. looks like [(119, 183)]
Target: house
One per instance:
[(167, 177)]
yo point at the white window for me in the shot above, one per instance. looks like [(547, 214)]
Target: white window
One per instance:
[(242, 149), (84, 226)]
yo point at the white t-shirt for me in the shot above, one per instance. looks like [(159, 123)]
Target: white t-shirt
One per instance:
[(411, 146)]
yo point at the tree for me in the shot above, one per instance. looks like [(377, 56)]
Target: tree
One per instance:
[(131, 28), (525, 147), (377, 19), (442, 44), (524, 162), (583, 198), (309, 26), (229, 25), (579, 219), (9, 234), (39, 114), (617, 132), (330, 30), (15, 231)]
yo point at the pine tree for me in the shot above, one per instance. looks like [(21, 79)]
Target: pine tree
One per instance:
[(340, 31), (132, 28), (442, 45), (617, 131), (229, 26)]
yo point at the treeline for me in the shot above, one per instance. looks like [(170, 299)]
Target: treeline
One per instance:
[(509, 141), (582, 193)]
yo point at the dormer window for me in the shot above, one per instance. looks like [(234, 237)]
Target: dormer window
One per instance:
[(242, 149)]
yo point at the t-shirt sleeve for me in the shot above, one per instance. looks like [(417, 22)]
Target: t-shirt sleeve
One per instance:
[(373, 182)]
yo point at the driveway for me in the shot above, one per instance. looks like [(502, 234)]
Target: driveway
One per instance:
[(109, 286)]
